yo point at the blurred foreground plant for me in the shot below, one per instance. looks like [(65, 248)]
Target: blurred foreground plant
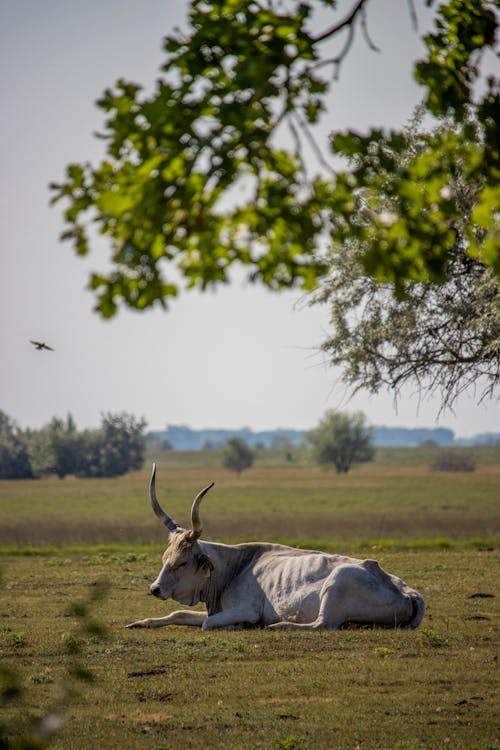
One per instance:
[(38, 735)]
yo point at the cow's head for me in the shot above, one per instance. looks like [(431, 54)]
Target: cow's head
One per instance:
[(186, 569)]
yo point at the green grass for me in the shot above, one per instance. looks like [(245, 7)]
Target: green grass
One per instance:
[(435, 687)]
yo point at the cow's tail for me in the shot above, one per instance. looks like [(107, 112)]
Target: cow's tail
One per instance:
[(418, 605)]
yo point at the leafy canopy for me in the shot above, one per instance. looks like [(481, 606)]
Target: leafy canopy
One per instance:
[(442, 338), (194, 180)]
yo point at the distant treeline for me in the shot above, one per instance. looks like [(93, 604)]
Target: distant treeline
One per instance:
[(181, 437), (59, 448)]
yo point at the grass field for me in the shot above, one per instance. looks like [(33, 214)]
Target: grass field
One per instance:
[(436, 687), (399, 501)]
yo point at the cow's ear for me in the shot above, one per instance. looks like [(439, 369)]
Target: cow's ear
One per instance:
[(205, 565)]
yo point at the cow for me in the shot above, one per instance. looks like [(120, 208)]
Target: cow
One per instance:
[(272, 585)]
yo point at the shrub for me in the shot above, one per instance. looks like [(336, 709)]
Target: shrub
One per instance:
[(454, 461), (237, 455)]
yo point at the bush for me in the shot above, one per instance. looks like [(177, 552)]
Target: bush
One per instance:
[(454, 461), (237, 455)]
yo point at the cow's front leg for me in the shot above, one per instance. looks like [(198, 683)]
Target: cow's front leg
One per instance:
[(181, 617), (234, 618)]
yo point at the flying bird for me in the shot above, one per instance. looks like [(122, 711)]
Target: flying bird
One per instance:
[(41, 345)]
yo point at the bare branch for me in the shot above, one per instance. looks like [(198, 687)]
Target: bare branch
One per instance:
[(413, 14), (298, 146), (343, 52), (371, 44), (347, 21), (338, 59), (312, 142)]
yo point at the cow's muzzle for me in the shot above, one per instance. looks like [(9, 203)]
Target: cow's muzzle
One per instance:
[(155, 589)]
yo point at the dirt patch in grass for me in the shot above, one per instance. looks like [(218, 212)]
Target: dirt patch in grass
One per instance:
[(139, 716)]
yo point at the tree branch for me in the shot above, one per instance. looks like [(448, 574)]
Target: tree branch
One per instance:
[(298, 146), (413, 14), (312, 142), (347, 21), (371, 44)]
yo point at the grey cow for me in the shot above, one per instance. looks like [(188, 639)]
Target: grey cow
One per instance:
[(271, 585)]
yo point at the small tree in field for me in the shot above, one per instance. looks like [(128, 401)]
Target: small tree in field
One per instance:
[(237, 455), (341, 440)]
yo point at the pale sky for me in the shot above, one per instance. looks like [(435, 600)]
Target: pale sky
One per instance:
[(238, 357)]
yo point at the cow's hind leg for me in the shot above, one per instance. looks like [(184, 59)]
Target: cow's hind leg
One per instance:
[(181, 617), (285, 625), (351, 593), (332, 610), (330, 617)]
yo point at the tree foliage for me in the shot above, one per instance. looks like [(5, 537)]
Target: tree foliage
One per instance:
[(341, 440), (59, 448), (14, 455), (164, 194), (442, 338), (55, 448), (115, 449), (21, 730), (237, 455)]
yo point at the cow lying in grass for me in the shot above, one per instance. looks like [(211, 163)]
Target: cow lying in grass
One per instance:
[(271, 585)]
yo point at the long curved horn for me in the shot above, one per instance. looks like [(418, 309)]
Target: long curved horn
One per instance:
[(164, 518), (195, 513)]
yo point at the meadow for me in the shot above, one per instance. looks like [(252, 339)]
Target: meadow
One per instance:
[(397, 499), (435, 687)]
